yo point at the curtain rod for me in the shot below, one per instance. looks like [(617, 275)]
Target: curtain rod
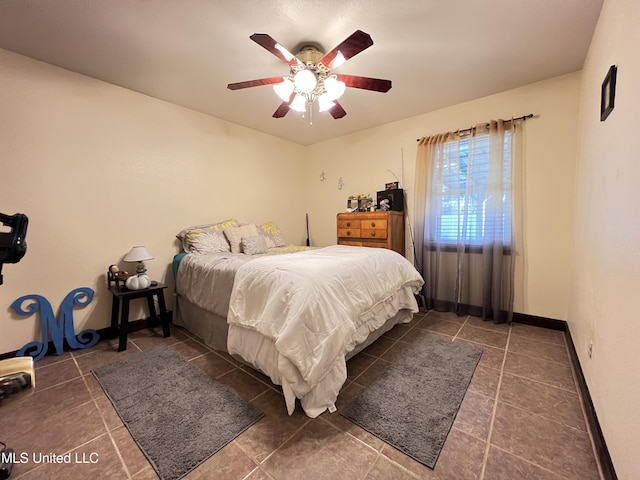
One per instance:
[(524, 117)]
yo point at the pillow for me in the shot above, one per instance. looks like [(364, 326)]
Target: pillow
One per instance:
[(187, 235), (236, 234), (254, 245), (272, 235), (210, 241)]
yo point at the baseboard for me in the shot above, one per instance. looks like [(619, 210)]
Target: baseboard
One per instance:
[(608, 471), (544, 322), (105, 334)]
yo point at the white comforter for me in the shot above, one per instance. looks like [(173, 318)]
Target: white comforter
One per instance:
[(310, 304)]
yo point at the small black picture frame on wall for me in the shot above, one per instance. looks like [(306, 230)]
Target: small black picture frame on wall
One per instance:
[(608, 95)]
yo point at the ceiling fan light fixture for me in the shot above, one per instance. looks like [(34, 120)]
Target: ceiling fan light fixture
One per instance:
[(325, 103), (334, 87), (339, 60), (284, 89), (299, 104), (305, 81)]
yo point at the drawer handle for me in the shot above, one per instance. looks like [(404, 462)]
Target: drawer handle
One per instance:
[(373, 234), (348, 233), (373, 224), (348, 224)]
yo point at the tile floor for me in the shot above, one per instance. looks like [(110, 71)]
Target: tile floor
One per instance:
[(521, 417)]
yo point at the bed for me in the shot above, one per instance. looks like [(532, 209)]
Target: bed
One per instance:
[(294, 313)]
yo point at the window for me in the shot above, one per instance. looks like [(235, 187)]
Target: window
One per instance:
[(471, 212)]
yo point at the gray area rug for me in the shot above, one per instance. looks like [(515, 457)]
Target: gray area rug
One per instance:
[(178, 415), (414, 402)]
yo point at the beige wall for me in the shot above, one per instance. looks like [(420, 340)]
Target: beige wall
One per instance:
[(606, 272), (98, 169), (363, 161)]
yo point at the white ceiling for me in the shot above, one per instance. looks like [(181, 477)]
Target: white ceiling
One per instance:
[(436, 52)]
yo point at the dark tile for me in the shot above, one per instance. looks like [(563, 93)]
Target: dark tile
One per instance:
[(213, 364), (396, 349), (96, 459), (371, 373), (450, 316), (44, 402), (488, 325), (504, 466), (51, 358), (320, 451), (131, 454), (245, 385), (258, 474), (358, 364), (538, 348), (483, 336), (229, 463), (552, 373), (538, 333), (485, 381), (148, 473), (104, 356), (378, 347), (55, 373), (401, 329), (491, 357), (460, 459), (474, 415), (385, 469), (147, 342), (352, 429), (544, 400), (265, 436), (57, 431), (439, 325), (190, 349), (549, 444), (348, 394)]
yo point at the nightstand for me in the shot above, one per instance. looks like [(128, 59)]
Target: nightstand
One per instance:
[(124, 296)]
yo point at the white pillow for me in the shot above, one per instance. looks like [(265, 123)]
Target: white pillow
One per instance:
[(210, 241), (236, 234)]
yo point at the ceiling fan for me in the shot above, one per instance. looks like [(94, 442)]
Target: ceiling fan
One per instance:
[(311, 75)]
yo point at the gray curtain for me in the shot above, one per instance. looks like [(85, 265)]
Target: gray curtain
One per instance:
[(467, 197)]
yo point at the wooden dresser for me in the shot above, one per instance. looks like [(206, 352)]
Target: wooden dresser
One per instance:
[(372, 229)]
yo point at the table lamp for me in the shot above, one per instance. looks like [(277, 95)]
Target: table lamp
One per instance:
[(139, 254)]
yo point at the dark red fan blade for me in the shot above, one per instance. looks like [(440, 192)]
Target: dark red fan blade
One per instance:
[(353, 45), (283, 109), (366, 83), (268, 43), (254, 83), (337, 111)]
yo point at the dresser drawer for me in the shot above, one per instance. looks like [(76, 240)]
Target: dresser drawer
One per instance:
[(349, 232), (375, 229), (373, 244), (347, 224)]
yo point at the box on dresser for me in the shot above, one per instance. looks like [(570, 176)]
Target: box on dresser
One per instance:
[(372, 229), (395, 197)]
